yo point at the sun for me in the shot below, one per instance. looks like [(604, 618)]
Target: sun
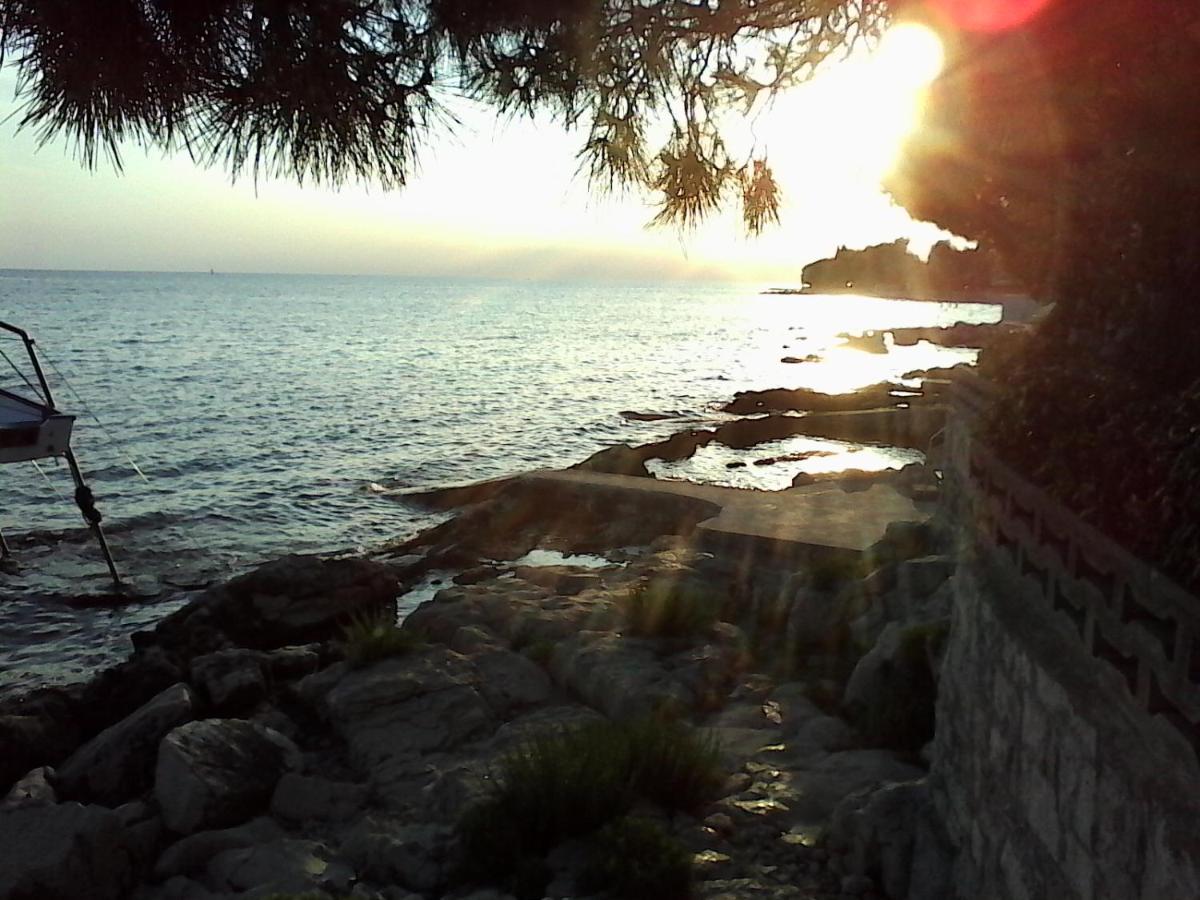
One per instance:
[(911, 54), (854, 117)]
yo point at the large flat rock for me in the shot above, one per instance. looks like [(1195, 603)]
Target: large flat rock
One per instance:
[(798, 521)]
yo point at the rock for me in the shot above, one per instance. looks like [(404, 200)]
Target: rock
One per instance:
[(117, 692), (118, 763), (290, 663), (565, 581), (177, 888), (622, 677), (903, 540), (932, 858), (423, 702), (473, 638), (282, 866), (287, 601), (720, 822), (412, 856), (33, 790), (857, 885), (620, 459), (877, 828), (59, 852), (922, 576), (144, 840), (231, 680), (313, 688), (818, 620), (891, 693), (794, 705), (218, 772), (300, 798), (477, 574), (510, 681), (192, 853), (827, 733), (42, 731)]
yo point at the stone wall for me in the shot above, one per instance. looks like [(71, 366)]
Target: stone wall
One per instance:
[(1049, 779)]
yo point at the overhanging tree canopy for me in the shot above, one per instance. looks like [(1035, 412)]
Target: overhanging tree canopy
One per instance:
[(327, 90)]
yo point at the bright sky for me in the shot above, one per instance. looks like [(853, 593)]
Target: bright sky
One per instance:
[(493, 200)]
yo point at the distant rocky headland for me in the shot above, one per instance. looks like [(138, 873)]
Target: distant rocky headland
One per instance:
[(892, 270)]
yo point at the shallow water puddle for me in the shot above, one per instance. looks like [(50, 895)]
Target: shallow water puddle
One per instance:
[(771, 466), (425, 589), (540, 557)]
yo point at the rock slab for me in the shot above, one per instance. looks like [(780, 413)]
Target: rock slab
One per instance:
[(218, 772), (118, 763), (55, 852)]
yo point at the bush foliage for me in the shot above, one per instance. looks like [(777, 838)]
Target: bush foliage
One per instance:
[(637, 859), (670, 610), (372, 636), (570, 783)]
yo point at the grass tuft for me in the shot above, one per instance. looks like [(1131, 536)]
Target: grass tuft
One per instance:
[(638, 859), (369, 637), (567, 784), (670, 610)]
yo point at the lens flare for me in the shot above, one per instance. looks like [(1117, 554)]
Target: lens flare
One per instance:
[(911, 55), (989, 15)]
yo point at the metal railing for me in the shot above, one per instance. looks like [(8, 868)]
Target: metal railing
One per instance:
[(1126, 614)]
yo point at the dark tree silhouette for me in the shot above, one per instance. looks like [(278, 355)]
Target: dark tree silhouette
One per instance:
[(1072, 145), (328, 90)]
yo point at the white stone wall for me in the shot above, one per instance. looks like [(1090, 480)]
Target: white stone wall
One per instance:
[(1048, 779)]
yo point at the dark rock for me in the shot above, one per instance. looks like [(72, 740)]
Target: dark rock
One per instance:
[(902, 541), (922, 576), (562, 580), (290, 663), (118, 763), (412, 856), (218, 772), (295, 599), (877, 828), (300, 798), (620, 459), (477, 574), (35, 789), (231, 680), (891, 694), (30, 741), (746, 403), (115, 693), (510, 681), (419, 703), (63, 852), (193, 852), (634, 416), (867, 342), (286, 866)]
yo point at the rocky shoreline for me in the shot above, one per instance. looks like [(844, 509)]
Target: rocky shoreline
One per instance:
[(252, 746)]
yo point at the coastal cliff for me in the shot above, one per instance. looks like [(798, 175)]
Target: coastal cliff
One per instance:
[(892, 270)]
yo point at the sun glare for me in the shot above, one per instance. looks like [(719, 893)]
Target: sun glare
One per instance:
[(853, 118), (911, 54)]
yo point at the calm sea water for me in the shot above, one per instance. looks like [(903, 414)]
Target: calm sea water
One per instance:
[(268, 411)]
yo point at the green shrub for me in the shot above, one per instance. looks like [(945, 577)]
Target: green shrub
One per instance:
[(372, 636), (570, 783), (637, 859), (673, 764), (670, 610), (540, 651), (829, 572)]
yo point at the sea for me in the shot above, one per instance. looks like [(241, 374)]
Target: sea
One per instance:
[(227, 419)]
